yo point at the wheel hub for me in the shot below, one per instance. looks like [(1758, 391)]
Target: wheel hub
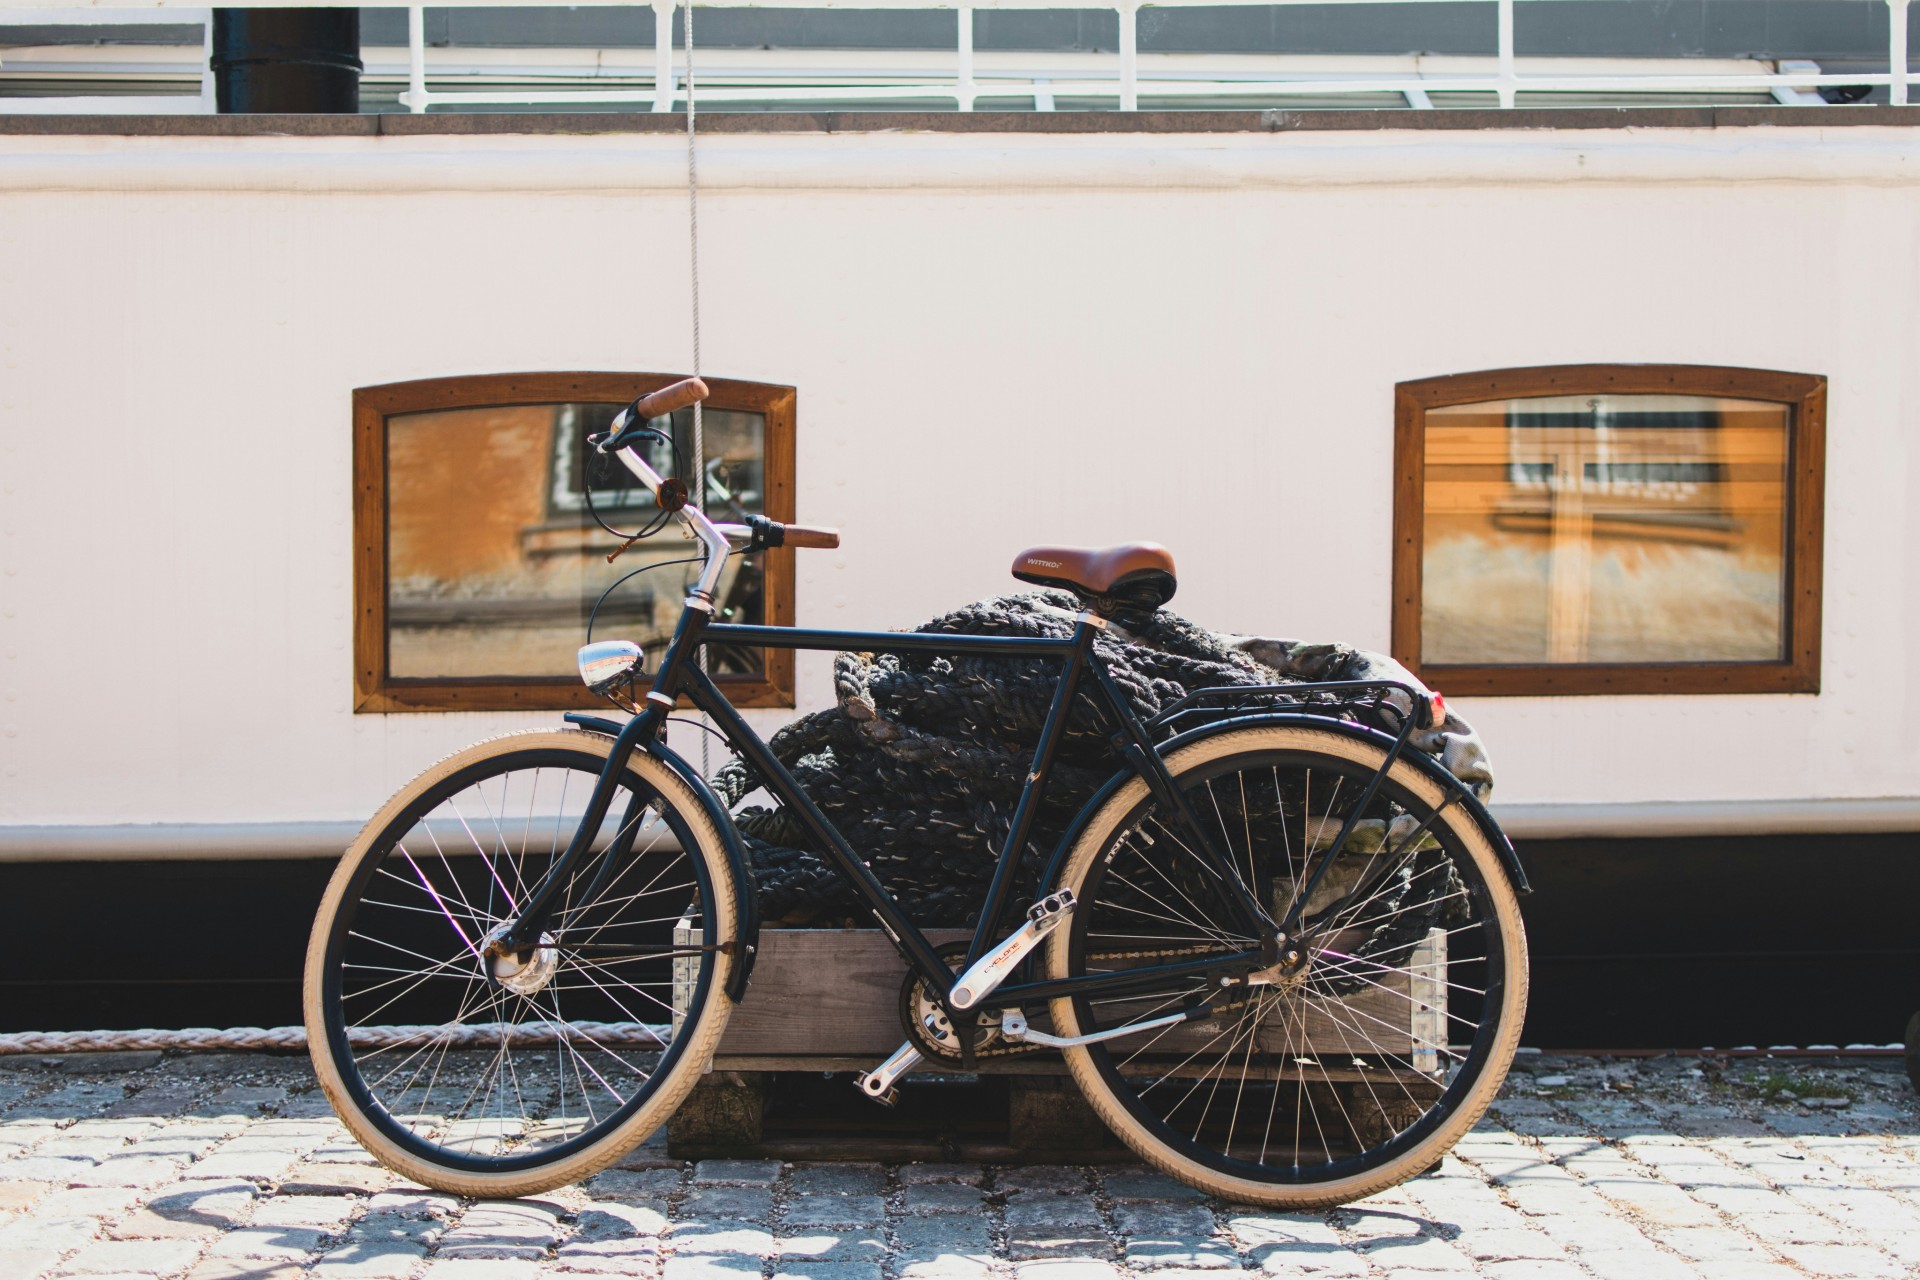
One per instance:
[(523, 972), (1292, 961)]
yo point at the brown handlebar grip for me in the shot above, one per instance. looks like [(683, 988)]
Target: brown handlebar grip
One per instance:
[(798, 535), (683, 394)]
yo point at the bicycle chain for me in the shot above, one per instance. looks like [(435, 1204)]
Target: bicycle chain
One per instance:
[(927, 1047)]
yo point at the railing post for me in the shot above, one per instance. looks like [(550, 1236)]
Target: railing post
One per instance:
[(662, 55), (416, 59), (209, 89), (1506, 53), (963, 82), (1129, 11), (1897, 51)]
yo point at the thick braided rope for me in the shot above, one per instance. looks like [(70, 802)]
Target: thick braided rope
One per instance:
[(922, 760), (478, 1035)]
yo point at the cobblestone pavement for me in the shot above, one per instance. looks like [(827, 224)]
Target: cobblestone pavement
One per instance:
[(223, 1167)]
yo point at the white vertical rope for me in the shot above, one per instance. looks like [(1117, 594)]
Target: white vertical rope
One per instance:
[(1129, 12), (693, 266), (693, 260)]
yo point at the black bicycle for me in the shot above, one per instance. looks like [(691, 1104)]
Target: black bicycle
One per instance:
[(1279, 951)]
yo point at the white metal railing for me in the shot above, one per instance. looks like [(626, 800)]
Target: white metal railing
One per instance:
[(966, 83), (153, 104)]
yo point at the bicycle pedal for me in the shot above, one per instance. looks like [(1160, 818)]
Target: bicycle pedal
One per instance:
[(886, 1099), (1052, 907), (878, 1083)]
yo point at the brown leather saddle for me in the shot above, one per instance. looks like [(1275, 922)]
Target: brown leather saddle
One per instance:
[(1134, 578)]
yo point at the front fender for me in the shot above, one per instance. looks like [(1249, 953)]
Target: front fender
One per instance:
[(1418, 759)]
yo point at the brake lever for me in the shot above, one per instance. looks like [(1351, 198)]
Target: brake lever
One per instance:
[(766, 533), (627, 427)]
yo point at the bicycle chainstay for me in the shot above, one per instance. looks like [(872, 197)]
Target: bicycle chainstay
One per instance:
[(926, 1046)]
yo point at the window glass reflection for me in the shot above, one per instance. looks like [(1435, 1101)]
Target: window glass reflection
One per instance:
[(1605, 529), (494, 561)]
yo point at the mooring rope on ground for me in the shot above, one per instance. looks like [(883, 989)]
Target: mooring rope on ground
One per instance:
[(478, 1035)]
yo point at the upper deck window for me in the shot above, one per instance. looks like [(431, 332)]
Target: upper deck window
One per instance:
[(1610, 529)]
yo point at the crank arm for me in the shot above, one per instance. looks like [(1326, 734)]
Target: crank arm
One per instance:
[(1013, 1025), (991, 969), (878, 1083)]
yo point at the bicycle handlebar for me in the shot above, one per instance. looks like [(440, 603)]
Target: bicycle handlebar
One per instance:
[(800, 535), (669, 399), (760, 533), (718, 539)]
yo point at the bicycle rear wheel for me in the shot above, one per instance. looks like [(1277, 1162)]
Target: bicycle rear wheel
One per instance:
[(1332, 1079), (490, 1078)]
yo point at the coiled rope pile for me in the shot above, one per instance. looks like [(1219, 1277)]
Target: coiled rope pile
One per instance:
[(922, 759)]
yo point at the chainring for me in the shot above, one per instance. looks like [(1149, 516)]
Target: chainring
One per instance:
[(940, 1042)]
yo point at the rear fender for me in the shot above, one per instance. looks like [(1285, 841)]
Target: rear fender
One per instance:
[(1468, 802)]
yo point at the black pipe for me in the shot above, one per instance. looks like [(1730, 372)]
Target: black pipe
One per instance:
[(298, 61)]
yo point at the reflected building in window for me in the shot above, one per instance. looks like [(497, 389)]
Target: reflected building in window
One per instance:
[(495, 567), (485, 537), (1604, 529)]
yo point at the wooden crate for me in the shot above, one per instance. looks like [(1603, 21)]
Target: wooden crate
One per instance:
[(820, 1000), (827, 1001), (834, 995)]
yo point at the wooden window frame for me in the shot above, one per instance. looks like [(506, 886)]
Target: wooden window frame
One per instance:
[(1804, 395), (376, 689)]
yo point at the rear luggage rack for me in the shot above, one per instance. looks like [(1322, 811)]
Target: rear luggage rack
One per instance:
[(1363, 700)]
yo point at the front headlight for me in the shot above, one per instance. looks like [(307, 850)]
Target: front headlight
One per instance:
[(607, 663)]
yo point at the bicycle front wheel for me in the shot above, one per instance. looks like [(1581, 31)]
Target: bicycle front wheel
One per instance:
[(504, 1077), (1332, 1077)]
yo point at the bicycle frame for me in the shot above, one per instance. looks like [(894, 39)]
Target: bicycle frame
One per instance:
[(679, 673)]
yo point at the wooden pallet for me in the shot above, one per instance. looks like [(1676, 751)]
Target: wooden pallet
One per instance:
[(824, 1003)]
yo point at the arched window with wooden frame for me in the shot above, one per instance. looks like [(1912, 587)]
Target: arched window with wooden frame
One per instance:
[(478, 562), (1610, 529)]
